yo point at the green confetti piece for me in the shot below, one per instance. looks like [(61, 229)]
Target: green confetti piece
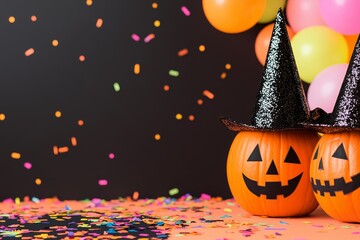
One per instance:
[(116, 87), (174, 73), (173, 191)]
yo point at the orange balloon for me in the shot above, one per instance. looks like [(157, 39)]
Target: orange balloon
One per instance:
[(233, 16), (262, 41), (351, 41)]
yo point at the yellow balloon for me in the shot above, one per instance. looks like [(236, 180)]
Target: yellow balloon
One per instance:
[(271, 9), (316, 48), (233, 16)]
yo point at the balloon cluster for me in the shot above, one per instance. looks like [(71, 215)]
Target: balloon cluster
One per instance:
[(323, 34)]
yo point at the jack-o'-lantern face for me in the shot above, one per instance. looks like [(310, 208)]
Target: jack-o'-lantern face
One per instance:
[(335, 175), (268, 172)]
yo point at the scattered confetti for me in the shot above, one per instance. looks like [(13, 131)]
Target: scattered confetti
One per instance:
[(174, 73), (29, 52), (208, 94), (55, 43), (228, 66), (185, 10), (89, 2), (135, 37), (2, 117), (63, 149), (154, 5), (80, 122), (166, 88), (137, 68), (183, 52), (135, 195), (58, 114), (33, 18), (99, 23), (200, 101), (191, 117), (116, 86), (73, 141), (149, 37), (223, 75), (11, 19), (111, 155), (157, 23), (178, 116), (173, 191), (202, 48), (55, 150), (103, 182), (15, 155), (157, 137), (38, 181), (27, 165), (82, 58)]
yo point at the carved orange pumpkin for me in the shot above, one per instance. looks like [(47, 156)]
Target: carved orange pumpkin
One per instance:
[(335, 175), (268, 172)]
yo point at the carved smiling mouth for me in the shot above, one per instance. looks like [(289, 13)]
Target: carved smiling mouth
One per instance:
[(272, 189), (339, 185)]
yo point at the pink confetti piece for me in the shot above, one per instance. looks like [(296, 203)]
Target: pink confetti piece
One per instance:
[(103, 182), (149, 37), (185, 10), (27, 165), (135, 37), (111, 155), (99, 23)]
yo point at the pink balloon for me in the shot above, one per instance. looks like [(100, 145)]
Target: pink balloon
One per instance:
[(342, 16), (303, 13), (324, 90)]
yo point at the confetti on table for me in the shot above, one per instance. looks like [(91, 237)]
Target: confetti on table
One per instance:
[(208, 94), (183, 52), (103, 182), (185, 10), (149, 37), (29, 52), (174, 73), (137, 68), (135, 37), (99, 23), (15, 155)]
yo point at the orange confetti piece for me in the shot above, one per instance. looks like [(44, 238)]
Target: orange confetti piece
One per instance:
[(29, 52), (202, 48), (33, 18), (63, 149), (135, 195), (166, 88), (57, 114), (154, 5), (191, 117), (56, 150), (73, 141), (89, 2), (208, 94), (228, 66), (183, 52), (82, 58), (80, 122), (15, 155), (55, 43), (2, 117), (99, 23), (38, 181), (157, 137), (137, 68), (200, 101), (11, 19), (223, 75)]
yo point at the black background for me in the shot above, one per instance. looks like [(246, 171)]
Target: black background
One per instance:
[(191, 155)]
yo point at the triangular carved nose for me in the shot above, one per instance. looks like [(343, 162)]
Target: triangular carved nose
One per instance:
[(272, 169), (321, 165)]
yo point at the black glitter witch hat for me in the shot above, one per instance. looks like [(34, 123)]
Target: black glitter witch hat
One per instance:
[(346, 113), (280, 103)]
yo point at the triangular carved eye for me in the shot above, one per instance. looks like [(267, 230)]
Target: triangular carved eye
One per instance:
[(340, 153), (316, 153), (255, 156), (292, 157)]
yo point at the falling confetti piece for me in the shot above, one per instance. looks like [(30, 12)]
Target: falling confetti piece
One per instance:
[(58, 114), (202, 48), (33, 18), (208, 94), (55, 150), (157, 23), (137, 68), (157, 137), (228, 66), (178, 116), (99, 23), (55, 43), (135, 195), (183, 52), (200, 101), (154, 5), (116, 86), (103, 182), (173, 191), (29, 52), (174, 73), (73, 141), (135, 37), (38, 181), (111, 155), (149, 37), (82, 58), (185, 10), (191, 117), (15, 155), (166, 88), (63, 149), (27, 165), (11, 19), (223, 75), (2, 117), (80, 122)]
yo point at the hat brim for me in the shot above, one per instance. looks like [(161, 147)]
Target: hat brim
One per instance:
[(326, 128)]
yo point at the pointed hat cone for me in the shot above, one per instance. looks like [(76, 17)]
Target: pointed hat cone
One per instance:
[(346, 113), (280, 103)]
